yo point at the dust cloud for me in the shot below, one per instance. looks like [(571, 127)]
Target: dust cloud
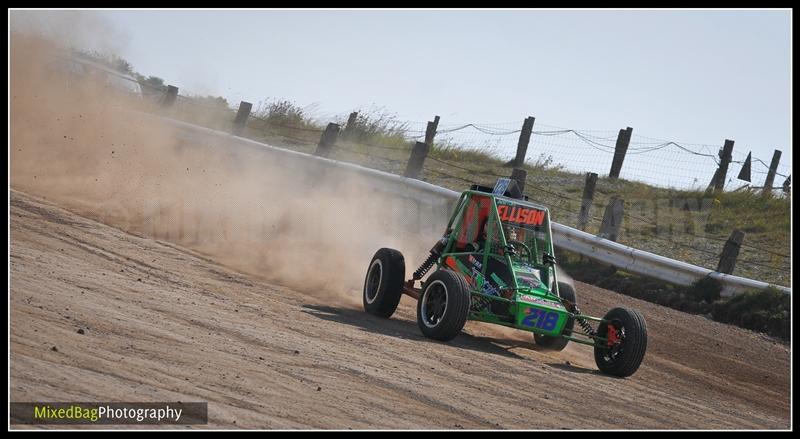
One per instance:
[(82, 145)]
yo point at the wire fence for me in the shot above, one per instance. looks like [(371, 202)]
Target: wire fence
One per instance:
[(558, 158), (658, 162)]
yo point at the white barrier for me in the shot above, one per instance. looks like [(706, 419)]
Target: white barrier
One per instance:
[(648, 264), (438, 201)]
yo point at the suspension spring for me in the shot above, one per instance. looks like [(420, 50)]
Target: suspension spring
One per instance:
[(587, 328), (426, 266)]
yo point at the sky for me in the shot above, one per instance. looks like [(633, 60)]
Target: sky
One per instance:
[(686, 75)]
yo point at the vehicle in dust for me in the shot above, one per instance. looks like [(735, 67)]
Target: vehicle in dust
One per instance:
[(495, 264)]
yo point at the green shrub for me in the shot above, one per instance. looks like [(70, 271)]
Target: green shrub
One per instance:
[(282, 112), (765, 310), (706, 289), (375, 124)]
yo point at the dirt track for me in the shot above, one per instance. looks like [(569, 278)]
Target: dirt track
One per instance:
[(163, 323)]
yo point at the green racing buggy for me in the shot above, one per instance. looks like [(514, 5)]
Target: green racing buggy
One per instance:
[(495, 264)]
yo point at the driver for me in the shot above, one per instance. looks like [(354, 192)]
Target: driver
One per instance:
[(478, 245), (511, 233)]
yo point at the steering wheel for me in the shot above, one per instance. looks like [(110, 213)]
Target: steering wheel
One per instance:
[(514, 243)]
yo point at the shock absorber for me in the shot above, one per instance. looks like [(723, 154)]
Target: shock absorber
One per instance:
[(587, 328), (436, 251), (573, 308), (425, 266)]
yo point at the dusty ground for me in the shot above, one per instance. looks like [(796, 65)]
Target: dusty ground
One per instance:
[(164, 323)]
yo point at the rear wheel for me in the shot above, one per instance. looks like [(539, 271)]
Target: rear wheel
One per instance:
[(559, 343), (626, 332), (443, 305), (383, 285)]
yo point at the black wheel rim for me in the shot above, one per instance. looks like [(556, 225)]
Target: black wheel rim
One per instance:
[(373, 281), (434, 304), (612, 353)]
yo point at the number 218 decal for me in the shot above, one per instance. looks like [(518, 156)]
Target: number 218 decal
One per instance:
[(540, 318)]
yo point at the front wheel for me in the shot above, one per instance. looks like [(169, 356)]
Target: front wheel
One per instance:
[(443, 307), (383, 286), (626, 334)]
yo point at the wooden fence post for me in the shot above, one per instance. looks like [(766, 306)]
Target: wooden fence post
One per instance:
[(415, 162), (170, 96), (519, 175), (241, 117), (586, 200), (718, 180), (773, 169), (327, 139), (621, 148), (612, 219), (727, 261), (430, 130), (522, 144), (421, 149), (351, 124)]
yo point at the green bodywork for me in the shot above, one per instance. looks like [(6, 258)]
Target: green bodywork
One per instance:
[(512, 282)]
